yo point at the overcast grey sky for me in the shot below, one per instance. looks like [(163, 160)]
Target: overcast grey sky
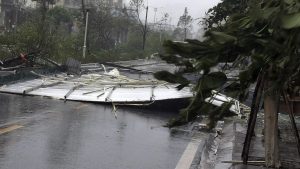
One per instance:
[(175, 8)]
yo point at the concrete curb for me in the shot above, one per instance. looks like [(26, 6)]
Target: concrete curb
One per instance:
[(198, 155)]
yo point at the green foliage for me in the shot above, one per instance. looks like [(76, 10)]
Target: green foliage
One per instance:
[(58, 33), (291, 21), (172, 78), (59, 15), (23, 40), (213, 80), (49, 36), (265, 32), (221, 38), (219, 14)]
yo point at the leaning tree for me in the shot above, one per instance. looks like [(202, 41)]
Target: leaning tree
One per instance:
[(266, 32)]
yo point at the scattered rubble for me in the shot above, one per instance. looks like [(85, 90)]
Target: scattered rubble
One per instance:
[(21, 60)]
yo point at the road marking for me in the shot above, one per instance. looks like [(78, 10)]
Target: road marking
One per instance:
[(188, 155), (81, 106), (10, 128)]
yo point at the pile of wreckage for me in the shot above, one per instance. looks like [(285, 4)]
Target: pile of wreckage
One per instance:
[(20, 61), (112, 83)]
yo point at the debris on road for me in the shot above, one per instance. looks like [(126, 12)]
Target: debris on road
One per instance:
[(22, 60), (94, 82)]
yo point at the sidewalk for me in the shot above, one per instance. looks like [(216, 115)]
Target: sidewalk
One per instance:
[(224, 151)]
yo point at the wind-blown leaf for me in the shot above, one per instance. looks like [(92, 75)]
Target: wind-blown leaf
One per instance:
[(221, 37), (245, 23), (290, 21), (171, 78), (290, 2), (267, 12), (207, 62), (184, 49), (213, 80), (194, 41)]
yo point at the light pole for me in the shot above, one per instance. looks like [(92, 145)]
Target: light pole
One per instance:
[(85, 33)]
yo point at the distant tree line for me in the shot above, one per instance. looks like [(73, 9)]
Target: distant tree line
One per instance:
[(113, 33)]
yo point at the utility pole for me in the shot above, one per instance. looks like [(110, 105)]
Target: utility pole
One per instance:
[(185, 28), (160, 34), (155, 10), (85, 33), (145, 29)]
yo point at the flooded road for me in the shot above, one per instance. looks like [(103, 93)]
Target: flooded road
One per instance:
[(41, 133)]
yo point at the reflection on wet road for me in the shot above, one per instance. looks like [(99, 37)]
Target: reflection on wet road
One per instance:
[(52, 134)]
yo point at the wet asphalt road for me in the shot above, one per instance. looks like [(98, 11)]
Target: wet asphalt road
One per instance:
[(41, 133)]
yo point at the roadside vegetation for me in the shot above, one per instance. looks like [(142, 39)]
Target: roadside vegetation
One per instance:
[(58, 33), (265, 33)]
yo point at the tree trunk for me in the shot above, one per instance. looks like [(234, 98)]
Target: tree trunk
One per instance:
[(42, 26), (271, 129)]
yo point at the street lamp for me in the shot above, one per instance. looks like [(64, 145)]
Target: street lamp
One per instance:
[(85, 33)]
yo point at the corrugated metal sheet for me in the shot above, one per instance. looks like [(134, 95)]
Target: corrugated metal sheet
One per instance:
[(98, 88)]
